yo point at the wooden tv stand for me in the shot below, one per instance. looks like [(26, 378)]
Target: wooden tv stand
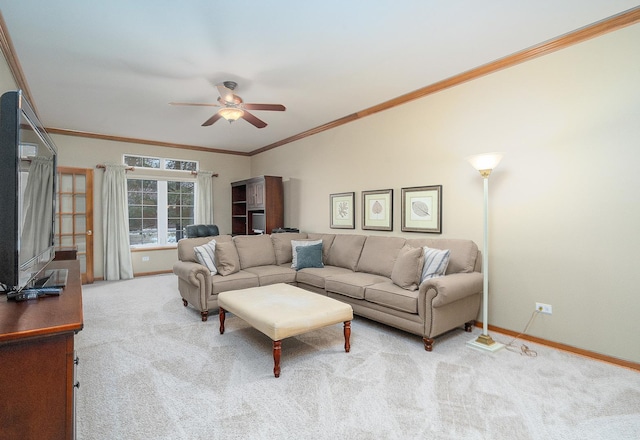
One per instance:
[(38, 360)]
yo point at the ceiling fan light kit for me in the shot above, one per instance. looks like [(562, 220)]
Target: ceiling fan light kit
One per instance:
[(231, 113), (234, 108)]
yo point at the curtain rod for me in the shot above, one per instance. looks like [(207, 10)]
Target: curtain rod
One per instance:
[(104, 167), (195, 173)]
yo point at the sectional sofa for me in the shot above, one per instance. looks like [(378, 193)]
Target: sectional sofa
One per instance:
[(425, 286)]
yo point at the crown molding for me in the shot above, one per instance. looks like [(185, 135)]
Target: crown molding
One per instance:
[(6, 45), (105, 137)]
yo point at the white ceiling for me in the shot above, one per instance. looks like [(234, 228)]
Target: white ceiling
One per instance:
[(112, 67)]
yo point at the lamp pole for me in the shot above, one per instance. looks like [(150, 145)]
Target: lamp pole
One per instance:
[(485, 164)]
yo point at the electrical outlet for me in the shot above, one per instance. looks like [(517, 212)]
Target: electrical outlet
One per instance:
[(145, 258), (544, 308)]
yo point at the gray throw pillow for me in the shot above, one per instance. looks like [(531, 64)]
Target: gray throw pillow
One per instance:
[(435, 263), (295, 244), (206, 256), (309, 256)]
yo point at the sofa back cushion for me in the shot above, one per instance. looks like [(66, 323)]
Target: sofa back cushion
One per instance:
[(408, 267), (282, 245), (227, 261), (345, 250), (254, 250), (463, 256), (327, 241), (186, 245), (379, 254)]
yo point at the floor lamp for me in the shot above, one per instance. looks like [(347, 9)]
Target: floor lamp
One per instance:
[(485, 163)]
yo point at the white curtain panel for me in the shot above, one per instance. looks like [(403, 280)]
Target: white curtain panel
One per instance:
[(38, 201), (204, 202), (115, 224)]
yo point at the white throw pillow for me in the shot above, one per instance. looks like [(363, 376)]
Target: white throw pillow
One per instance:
[(294, 252), (205, 255), (435, 263)]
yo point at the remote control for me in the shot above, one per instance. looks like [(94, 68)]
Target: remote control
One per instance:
[(27, 294), (45, 290), (24, 295)]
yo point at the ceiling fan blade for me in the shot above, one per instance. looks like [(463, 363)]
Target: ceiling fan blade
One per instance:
[(272, 107), (194, 103), (251, 119), (211, 120)]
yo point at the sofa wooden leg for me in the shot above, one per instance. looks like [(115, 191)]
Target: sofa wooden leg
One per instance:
[(468, 326), (205, 315), (184, 302), (428, 343)]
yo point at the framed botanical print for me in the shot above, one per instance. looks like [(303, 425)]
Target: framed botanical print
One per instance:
[(342, 206), (377, 210), (422, 209)]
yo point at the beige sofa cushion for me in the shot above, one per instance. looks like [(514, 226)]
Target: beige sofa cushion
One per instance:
[(282, 245), (390, 295), (186, 245), (234, 281), (273, 274), (345, 250), (255, 250), (227, 261), (352, 284), (379, 254), (408, 268), (462, 258), (316, 277)]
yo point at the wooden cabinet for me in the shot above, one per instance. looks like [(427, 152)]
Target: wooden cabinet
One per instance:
[(257, 203), (255, 195), (38, 360)]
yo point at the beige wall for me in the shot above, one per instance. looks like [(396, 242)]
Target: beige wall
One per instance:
[(87, 153), (564, 203)]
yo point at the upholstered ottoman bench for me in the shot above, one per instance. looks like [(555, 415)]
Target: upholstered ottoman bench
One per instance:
[(282, 310)]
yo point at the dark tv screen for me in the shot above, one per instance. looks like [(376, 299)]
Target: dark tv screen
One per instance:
[(28, 164)]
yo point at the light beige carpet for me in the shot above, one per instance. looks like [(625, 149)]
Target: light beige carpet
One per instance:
[(150, 369)]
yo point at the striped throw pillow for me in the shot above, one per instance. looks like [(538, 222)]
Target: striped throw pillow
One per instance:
[(435, 263), (205, 255)]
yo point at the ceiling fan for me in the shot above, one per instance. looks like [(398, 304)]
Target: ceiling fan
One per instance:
[(233, 107)]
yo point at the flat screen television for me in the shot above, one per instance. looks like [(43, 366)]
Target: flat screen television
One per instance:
[(258, 222), (27, 193)]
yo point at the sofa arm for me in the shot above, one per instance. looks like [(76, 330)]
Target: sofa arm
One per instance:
[(444, 290), (195, 274)]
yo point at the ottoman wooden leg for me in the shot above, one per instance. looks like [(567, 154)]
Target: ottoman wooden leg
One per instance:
[(277, 350), (221, 314), (347, 336)]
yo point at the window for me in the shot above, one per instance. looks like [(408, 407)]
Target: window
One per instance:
[(160, 163), (159, 210), (143, 162), (159, 207)]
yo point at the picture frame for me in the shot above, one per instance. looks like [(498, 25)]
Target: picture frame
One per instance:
[(342, 207), (422, 209), (377, 210)]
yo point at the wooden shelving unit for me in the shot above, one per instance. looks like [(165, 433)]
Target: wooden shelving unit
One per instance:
[(261, 195)]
